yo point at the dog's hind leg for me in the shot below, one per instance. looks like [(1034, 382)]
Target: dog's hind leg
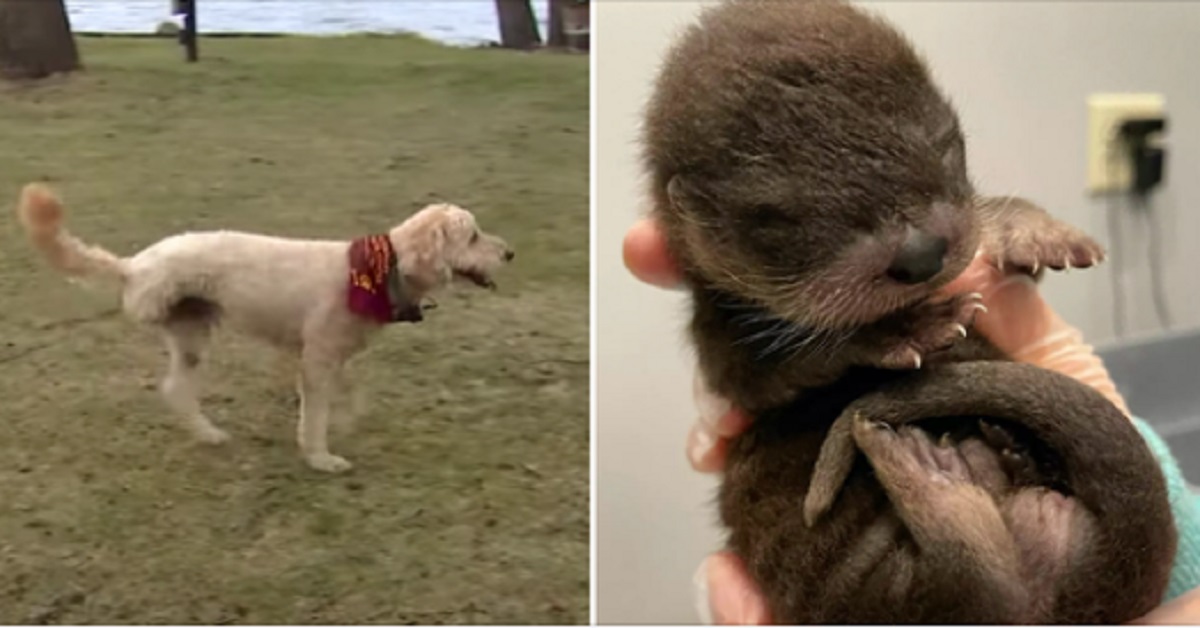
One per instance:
[(186, 342), (319, 379)]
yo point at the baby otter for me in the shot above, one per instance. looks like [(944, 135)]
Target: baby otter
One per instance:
[(812, 183), (813, 186)]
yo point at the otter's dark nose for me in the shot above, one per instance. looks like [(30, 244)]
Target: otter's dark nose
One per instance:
[(509, 255), (919, 259)]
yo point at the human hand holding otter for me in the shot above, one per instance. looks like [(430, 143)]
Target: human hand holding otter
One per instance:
[(1018, 321)]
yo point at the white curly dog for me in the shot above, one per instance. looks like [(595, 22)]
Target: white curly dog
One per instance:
[(289, 292)]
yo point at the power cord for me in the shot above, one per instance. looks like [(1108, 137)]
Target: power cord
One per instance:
[(1147, 161), (1154, 241), (1114, 275)]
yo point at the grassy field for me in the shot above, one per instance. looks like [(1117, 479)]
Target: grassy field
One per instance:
[(469, 497)]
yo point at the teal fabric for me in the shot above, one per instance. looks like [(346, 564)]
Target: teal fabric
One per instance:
[(1185, 504)]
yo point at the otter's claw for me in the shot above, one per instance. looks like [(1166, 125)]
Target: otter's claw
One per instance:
[(1046, 244), (928, 328)]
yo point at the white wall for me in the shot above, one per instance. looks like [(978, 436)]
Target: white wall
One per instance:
[(1020, 73)]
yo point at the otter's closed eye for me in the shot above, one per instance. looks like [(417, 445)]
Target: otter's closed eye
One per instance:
[(764, 215)]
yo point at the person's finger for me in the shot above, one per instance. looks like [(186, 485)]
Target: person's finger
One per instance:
[(700, 594), (717, 414), (727, 595), (705, 450), (717, 421), (979, 273), (710, 405), (647, 257), (1018, 319), (1021, 324)]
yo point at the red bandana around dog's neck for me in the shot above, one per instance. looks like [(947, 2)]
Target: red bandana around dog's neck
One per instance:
[(376, 289)]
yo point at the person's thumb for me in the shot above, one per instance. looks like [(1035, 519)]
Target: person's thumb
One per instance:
[(647, 257)]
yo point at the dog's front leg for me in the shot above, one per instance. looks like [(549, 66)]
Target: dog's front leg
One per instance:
[(343, 410), (318, 378)]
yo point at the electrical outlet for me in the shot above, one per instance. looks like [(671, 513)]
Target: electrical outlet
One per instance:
[(1108, 166)]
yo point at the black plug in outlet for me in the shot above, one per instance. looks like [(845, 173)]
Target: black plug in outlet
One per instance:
[(1148, 161)]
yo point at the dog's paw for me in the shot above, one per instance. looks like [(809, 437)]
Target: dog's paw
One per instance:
[(328, 463), (211, 435)]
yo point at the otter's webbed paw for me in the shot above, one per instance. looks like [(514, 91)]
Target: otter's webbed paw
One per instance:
[(927, 480), (904, 340), (1020, 235), (940, 461), (1056, 246)]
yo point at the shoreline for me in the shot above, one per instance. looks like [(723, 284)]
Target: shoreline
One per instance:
[(482, 45)]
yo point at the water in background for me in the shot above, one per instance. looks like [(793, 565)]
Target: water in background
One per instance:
[(459, 22)]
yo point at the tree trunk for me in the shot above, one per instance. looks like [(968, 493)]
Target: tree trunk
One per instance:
[(557, 35), (188, 35), (518, 27), (576, 24), (35, 39)]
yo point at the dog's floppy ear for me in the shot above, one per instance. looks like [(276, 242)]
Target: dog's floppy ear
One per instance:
[(424, 254)]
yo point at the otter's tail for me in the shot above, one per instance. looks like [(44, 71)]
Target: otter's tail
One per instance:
[(42, 214)]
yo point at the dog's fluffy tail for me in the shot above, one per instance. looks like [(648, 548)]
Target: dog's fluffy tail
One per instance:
[(42, 214)]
